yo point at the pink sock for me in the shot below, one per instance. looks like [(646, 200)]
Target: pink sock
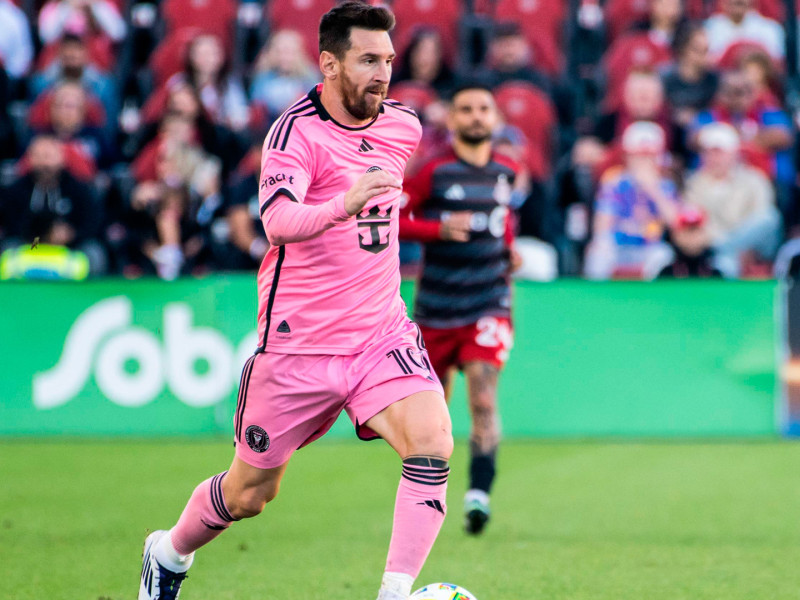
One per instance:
[(418, 513), (204, 517)]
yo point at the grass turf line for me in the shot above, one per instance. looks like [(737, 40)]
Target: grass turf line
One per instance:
[(572, 521)]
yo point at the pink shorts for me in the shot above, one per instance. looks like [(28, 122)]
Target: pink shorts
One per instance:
[(287, 401)]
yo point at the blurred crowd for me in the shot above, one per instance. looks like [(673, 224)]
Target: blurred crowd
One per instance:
[(657, 136)]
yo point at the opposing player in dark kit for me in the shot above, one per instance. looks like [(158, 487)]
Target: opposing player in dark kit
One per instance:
[(458, 206)]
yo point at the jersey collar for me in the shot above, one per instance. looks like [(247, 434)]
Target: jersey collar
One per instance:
[(324, 115)]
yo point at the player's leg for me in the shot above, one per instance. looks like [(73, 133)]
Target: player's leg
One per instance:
[(483, 441), (239, 493), (419, 429), (284, 402)]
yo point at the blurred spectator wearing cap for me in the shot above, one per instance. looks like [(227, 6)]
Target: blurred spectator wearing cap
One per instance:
[(47, 205), (221, 93), (633, 209), (510, 58), (739, 21), (693, 256), (72, 63), (738, 202), (765, 132), (283, 73), (424, 63), (690, 83), (16, 46)]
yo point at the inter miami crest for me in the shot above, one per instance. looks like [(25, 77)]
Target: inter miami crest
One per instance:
[(373, 241), (257, 439)]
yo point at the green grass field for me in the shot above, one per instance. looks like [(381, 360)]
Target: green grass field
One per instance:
[(572, 521)]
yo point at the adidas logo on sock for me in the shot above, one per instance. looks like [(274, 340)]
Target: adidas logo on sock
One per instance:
[(365, 146), (433, 504), (284, 328)]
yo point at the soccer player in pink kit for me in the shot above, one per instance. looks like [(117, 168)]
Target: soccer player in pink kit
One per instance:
[(334, 334)]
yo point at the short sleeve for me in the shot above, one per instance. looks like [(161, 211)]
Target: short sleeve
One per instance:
[(606, 200), (284, 171)]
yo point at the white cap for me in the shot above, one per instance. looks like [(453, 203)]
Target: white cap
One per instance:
[(643, 136), (719, 135)]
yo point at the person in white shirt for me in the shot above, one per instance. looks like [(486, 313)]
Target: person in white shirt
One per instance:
[(738, 201), (16, 46), (740, 22), (80, 17)]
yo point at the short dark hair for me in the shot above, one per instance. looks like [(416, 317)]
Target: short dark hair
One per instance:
[(470, 85), (335, 25)]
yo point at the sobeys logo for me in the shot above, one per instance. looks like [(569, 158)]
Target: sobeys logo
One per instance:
[(132, 365)]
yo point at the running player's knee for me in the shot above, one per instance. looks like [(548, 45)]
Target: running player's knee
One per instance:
[(250, 502), (433, 441)]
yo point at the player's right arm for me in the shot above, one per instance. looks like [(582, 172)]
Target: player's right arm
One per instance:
[(285, 179), (454, 227)]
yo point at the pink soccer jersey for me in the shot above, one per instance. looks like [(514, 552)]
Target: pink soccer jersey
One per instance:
[(335, 293)]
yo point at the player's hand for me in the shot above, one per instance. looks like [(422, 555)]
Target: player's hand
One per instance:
[(456, 226), (367, 187), (515, 260)]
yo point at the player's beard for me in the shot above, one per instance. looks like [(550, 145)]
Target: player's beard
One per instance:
[(474, 136), (363, 106)]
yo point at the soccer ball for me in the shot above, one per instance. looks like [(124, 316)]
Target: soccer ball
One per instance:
[(442, 591)]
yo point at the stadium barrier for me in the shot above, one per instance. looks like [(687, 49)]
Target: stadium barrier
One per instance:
[(116, 357)]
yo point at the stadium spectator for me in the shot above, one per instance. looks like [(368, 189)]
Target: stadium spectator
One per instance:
[(765, 131), (510, 58), (16, 46), (761, 73), (73, 63), (68, 122), (642, 100), (283, 72), (690, 241), (8, 137), (81, 17), (174, 203), (48, 205), (220, 92), (179, 96), (689, 84), (663, 20), (633, 209), (738, 202), (246, 241), (424, 63), (740, 22)]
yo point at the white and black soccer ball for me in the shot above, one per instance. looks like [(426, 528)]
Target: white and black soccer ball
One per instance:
[(442, 591)]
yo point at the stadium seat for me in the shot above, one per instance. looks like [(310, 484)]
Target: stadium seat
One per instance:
[(208, 16), (621, 14), (442, 15), (737, 50), (635, 51), (536, 17), (300, 15), (525, 106), (169, 56), (413, 94)]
